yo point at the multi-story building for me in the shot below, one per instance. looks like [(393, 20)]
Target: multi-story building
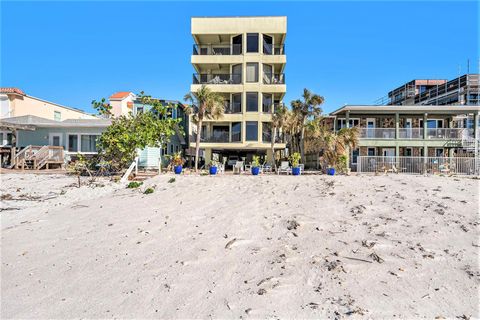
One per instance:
[(412, 131), (464, 90), (16, 103), (243, 59)]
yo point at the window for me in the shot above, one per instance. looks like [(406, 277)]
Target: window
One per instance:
[(237, 103), (72, 143), (355, 154), (252, 72), (252, 131), (237, 44), (252, 42), (252, 102), (237, 74), (267, 74), (177, 148), (353, 123), (88, 143), (267, 44), (408, 152), (434, 123), (371, 152), (57, 115), (171, 149), (266, 132), (236, 131), (267, 99), (438, 152)]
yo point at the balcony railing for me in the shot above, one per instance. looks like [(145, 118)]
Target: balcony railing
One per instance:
[(219, 137), (273, 49), (217, 49), (447, 133), (410, 133), (204, 78), (234, 107), (267, 137), (269, 108), (274, 78), (377, 133), (416, 133)]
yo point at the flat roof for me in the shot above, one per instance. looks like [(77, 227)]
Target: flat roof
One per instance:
[(47, 123), (418, 109)]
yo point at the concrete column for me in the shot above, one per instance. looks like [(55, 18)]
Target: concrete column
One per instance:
[(270, 158), (476, 134), (425, 126), (208, 156), (347, 119), (397, 126), (451, 152)]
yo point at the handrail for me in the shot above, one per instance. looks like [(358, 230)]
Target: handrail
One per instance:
[(129, 170), (220, 78)]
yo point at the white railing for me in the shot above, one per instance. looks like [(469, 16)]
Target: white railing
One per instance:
[(446, 133), (377, 133), (415, 133), (418, 165), (134, 165), (410, 133)]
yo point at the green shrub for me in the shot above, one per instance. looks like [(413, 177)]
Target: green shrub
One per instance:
[(171, 180), (256, 161), (295, 159), (134, 184), (148, 191)]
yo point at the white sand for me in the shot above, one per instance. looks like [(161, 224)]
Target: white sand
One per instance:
[(221, 247)]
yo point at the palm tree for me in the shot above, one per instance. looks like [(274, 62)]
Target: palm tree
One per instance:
[(306, 109), (206, 104), (336, 146), (279, 118)]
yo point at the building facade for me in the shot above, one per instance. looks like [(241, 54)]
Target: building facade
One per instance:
[(243, 59), (464, 90), (412, 131), (15, 103)]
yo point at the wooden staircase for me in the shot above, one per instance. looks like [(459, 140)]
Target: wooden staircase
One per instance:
[(38, 157)]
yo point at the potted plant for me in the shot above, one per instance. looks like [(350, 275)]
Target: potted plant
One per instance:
[(213, 167), (295, 160), (255, 165), (177, 162), (331, 171)]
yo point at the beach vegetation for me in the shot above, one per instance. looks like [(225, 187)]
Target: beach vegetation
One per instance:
[(295, 159), (127, 134), (149, 190), (279, 120), (134, 184)]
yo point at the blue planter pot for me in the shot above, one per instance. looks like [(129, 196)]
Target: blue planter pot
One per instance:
[(255, 171), (178, 169), (331, 171), (213, 171), (296, 171)]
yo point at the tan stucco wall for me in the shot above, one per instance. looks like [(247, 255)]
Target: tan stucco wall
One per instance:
[(120, 106), (227, 25), (26, 105)]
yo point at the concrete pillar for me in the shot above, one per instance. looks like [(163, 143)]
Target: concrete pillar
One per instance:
[(270, 157), (208, 156), (425, 126), (347, 124), (397, 126)]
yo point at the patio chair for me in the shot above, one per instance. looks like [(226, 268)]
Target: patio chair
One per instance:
[(284, 167), (302, 167), (238, 167)]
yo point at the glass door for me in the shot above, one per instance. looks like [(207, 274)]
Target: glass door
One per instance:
[(237, 45)]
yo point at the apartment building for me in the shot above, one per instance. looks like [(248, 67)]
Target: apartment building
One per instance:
[(16, 103), (411, 132), (464, 90), (243, 59)]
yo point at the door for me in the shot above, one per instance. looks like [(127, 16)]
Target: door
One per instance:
[(55, 139), (389, 155), (267, 74), (370, 128), (267, 44), (408, 127), (237, 74)]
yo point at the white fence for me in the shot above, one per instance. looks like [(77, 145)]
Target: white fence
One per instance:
[(419, 165)]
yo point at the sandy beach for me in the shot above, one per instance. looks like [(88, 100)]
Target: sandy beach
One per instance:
[(393, 246)]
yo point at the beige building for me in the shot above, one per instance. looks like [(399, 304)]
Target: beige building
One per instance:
[(243, 58), (15, 103)]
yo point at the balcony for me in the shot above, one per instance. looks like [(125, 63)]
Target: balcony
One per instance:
[(271, 49), (377, 133), (416, 133), (217, 49), (269, 108), (233, 107), (217, 78), (273, 78), (267, 137), (219, 137)]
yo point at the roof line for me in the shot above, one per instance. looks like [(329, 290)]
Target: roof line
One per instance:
[(59, 105)]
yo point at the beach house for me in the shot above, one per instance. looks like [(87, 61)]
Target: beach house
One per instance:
[(243, 59)]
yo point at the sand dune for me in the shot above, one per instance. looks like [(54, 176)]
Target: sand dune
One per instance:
[(241, 247)]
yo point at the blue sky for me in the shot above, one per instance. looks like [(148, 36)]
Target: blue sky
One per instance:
[(349, 52)]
